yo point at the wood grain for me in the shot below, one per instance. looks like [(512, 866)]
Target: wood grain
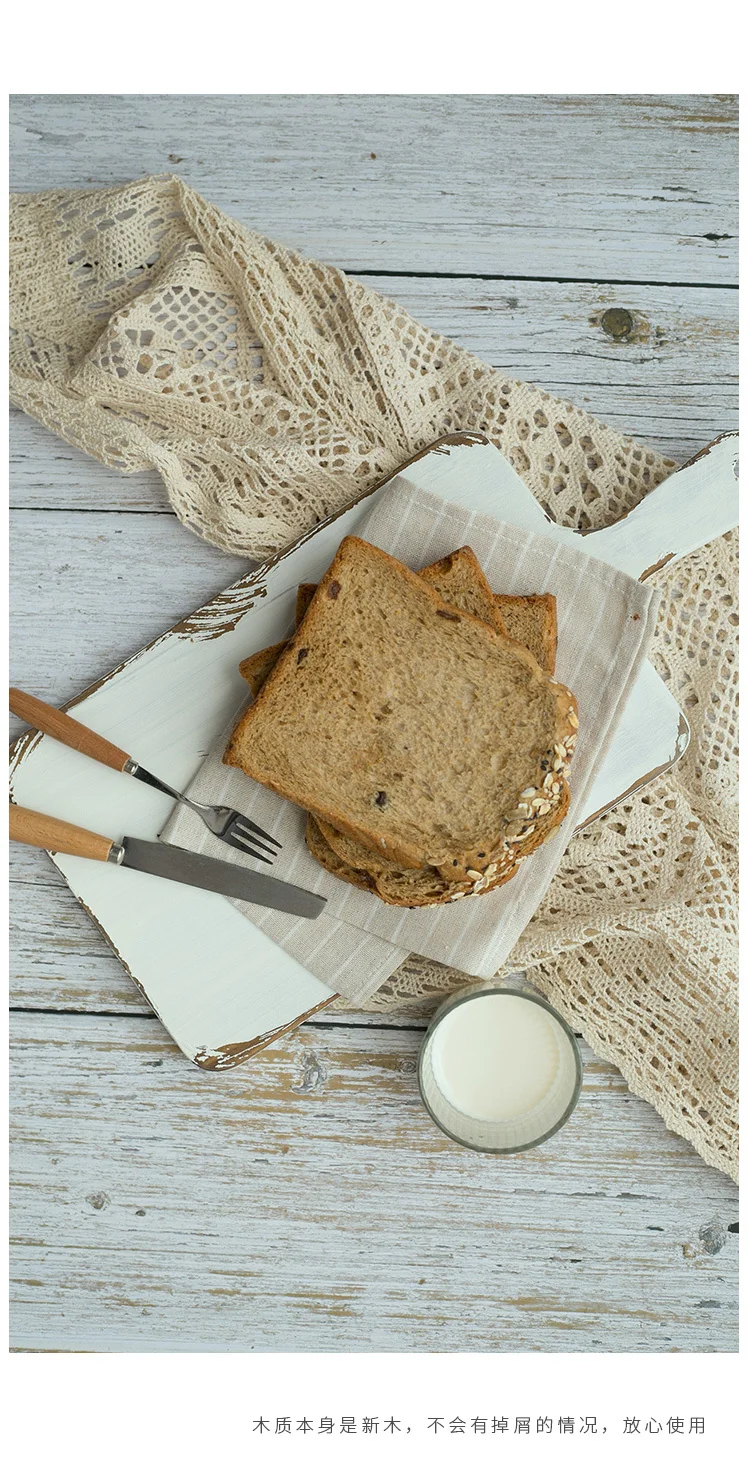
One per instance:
[(671, 381), (584, 187), (306, 1202), (28, 827), (60, 726), (89, 589)]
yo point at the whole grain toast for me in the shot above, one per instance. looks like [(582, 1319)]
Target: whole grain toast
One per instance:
[(397, 886), (361, 858), (411, 888), (380, 686), (534, 618), (458, 577), (530, 620), (533, 622), (460, 580)]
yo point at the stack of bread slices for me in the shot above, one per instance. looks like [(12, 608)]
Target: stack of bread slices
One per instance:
[(415, 717)]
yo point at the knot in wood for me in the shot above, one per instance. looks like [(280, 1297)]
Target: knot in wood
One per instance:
[(312, 1075), (618, 323)]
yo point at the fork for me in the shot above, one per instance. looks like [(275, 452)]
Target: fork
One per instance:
[(227, 824)]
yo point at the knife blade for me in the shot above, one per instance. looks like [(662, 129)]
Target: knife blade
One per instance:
[(216, 875), (166, 861)]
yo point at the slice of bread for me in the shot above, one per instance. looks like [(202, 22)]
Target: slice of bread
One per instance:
[(256, 668), (414, 727), (459, 580), (401, 887), (460, 573), (533, 622), (530, 616)]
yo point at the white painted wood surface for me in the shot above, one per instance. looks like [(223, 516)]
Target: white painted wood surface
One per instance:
[(305, 1201), (597, 187), (521, 208)]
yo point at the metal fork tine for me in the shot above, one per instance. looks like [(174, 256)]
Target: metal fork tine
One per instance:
[(243, 839), (244, 824), (246, 849), (248, 840), (237, 829)]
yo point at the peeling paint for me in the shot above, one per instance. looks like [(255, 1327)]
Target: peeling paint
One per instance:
[(313, 1075), (20, 748), (662, 562), (706, 450), (232, 1053), (681, 744), (221, 614)]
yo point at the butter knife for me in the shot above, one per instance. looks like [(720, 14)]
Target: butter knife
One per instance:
[(30, 828)]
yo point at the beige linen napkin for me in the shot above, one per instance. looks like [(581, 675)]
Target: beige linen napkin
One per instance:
[(605, 621)]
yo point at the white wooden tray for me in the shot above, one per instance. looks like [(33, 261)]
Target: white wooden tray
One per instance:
[(221, 987)]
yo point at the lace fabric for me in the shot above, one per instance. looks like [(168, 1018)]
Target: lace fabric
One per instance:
[(268, 390)]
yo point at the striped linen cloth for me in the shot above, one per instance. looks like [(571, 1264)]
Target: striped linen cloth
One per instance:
[(605, 621)]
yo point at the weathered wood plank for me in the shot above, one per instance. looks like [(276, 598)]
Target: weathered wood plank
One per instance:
[(600, 186), (89, 589), (671, 381), (306, 1202), (57, 957)]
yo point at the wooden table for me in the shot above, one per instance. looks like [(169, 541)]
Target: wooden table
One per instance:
[(304, 1201)]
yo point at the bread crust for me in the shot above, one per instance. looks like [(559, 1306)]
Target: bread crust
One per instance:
[(257, 667), (305, 593), (544, 605), (396, 886)]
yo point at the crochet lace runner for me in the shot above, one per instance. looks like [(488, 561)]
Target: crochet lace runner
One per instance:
[(151, 330)]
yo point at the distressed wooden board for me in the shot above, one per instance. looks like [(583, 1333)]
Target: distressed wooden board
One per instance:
[(671, 382), (601, 186), (306, 1202), (168, 962), (169, 705)]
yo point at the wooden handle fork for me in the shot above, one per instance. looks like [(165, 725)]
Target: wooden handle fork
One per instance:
[(68, 730)]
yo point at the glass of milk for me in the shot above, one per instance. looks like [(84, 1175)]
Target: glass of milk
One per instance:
[(499, 1070)]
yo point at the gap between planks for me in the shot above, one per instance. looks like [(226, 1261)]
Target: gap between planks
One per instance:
[(547, 185), (353, 271)]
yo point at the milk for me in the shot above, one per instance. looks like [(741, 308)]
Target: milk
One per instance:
[(496, 1057), (499, 1070)]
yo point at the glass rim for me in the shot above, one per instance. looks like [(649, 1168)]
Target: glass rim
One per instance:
[(467, 996)]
